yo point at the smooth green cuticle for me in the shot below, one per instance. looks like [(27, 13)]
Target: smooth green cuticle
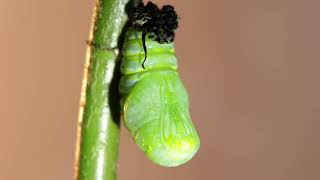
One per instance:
[(155, 102)]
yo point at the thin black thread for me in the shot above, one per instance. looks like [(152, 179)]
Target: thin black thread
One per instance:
[(144, 48)]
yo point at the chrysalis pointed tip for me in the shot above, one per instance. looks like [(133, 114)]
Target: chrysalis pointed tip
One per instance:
[(174, 154)]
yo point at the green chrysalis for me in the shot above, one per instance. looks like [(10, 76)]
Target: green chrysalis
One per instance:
[(154, 101)]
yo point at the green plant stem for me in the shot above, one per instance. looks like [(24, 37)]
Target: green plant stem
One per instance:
[(98, 134)]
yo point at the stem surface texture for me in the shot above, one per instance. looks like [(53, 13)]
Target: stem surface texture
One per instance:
[(99, 117)]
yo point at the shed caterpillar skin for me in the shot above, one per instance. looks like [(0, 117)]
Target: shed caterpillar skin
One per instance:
[(154, 101)]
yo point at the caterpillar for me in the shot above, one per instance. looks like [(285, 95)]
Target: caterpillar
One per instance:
[(154, 101)]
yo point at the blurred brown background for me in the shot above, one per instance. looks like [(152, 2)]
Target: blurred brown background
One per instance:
[(251, 68)]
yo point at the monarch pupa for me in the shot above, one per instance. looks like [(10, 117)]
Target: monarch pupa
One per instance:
[(154, 102)]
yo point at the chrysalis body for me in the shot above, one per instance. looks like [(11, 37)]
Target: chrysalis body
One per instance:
[(155, 103)]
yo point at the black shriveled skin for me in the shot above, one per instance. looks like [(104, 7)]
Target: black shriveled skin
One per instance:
[(159, 24)]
